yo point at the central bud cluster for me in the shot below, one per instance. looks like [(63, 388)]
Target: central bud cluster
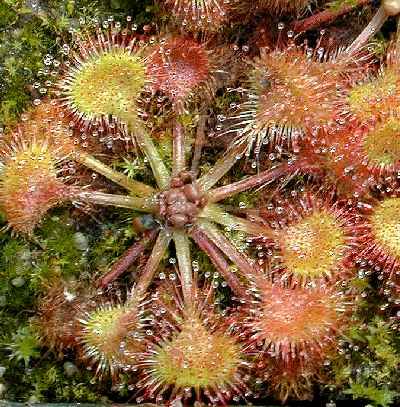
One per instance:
[(178, 207)]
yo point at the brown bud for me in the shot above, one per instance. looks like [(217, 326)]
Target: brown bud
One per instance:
[(186, 176), (191, 192), (203, 202), (179, 220), (176, 182), (175, 195)]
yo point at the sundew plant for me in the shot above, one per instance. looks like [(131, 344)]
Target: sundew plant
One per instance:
[(200, 201)]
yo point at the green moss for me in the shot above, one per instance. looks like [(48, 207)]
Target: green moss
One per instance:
[(13, 104), (113, 239), (164, 147), (370, 369), (27, 43), (61, 250), (16, 287), (243, 200), (336, 5), (133, 168), (7, 15), (50, 382), (28, 34), (24, 345), (145, 11), (379, 396)]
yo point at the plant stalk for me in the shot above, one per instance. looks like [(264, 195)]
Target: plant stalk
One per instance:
[(198, 144), (140, 204), (369, 31), (178, 149), (221, 167), (160, 172), (264, 177), (159, 248), (325, 16), (182, 249), (226, 247), (218, 215), (136, 187), (208, 247), (126, 260)]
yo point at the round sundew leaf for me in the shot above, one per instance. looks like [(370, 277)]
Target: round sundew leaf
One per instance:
[(29, 185), (369, 100), (300, 315), (108, 84), (295, 322), (59, 312), (109, 336), (381, 145), (313, 246), (385, 223), (199, 15), (196, 358), (289, 93), (294, 89), (178, 66)]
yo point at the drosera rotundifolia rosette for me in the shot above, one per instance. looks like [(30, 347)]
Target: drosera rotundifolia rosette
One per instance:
[(247, 196)]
